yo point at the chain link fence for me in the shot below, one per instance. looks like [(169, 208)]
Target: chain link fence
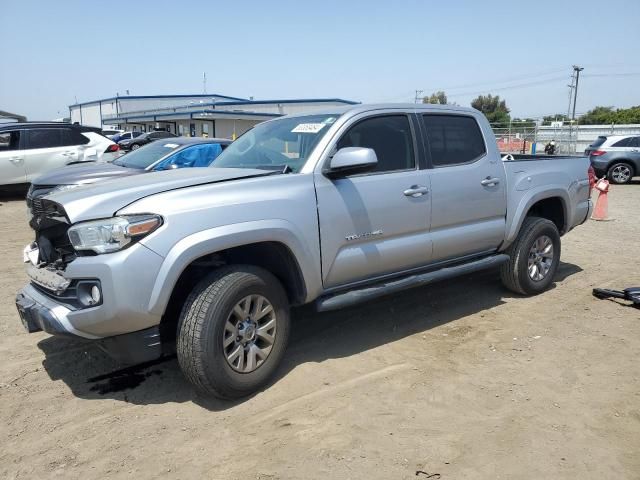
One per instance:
[(570, 139)]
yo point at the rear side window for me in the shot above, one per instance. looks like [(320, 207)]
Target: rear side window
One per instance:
[(71, 136), (9, 141), (389, 136), (625, 142), (453, 139), (635, 142), (44, 137)]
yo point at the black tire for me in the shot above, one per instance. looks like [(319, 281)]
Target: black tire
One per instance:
[(201, 330), (620, 173), (515, 273), (135, 146)]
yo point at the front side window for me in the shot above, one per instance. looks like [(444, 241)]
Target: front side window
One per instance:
[(389, 136), (44, 137), (283, 144), (9, 141), (453, 139)]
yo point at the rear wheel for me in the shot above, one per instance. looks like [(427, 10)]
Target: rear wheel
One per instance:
[(533, 257), (620, 173), (233, 331)]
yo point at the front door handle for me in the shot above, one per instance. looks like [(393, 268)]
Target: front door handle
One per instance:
[(15, 160), (416, 191), (490, 182)]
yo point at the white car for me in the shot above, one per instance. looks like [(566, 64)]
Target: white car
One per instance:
[(111, 132), (30, 149)]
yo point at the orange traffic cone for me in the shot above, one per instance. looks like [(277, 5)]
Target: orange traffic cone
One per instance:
[(600, 212)]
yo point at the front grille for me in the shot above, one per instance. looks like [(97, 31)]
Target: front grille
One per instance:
[(50, 223), (34, 197)]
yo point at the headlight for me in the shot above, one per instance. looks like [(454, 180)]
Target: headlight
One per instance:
[(112, 234)]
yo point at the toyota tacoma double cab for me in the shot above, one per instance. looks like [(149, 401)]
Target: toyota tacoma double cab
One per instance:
[(334, 208)]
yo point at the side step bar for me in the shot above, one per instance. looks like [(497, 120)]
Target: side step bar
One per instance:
[(353, 297)]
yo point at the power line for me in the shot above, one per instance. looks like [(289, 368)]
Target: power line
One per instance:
[(510, 87)]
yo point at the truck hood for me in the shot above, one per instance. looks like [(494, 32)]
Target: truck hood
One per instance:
[(83, 174), (104, 199)]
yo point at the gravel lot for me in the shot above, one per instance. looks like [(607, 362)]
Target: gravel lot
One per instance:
[(462, 379)]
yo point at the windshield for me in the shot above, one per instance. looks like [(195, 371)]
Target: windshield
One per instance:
[(147, 155), (283, 144)]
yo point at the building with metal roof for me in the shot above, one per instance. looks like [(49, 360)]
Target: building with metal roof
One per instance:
[(191, 115)]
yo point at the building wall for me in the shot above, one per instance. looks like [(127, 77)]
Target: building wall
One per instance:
[(227, 128)]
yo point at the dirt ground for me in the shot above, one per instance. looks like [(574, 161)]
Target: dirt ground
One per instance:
[(460, 379)]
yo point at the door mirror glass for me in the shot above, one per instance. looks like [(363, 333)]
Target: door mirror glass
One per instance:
[(350, 160)]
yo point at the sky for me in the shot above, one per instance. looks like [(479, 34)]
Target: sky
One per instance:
[(54, 52)]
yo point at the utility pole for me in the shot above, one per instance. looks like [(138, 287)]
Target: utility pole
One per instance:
[(418, 95), (571, 87), (577, 71)]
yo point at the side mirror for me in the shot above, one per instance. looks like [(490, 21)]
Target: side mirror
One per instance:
[(350, 160)]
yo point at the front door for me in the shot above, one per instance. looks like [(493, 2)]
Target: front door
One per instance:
[(375, 223), (468, 187), (12, 169)]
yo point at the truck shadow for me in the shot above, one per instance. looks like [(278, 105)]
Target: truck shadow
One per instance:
[(315, 337)]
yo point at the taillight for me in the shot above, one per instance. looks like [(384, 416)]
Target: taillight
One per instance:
[(592, 178), (597, 153), (112, 148)]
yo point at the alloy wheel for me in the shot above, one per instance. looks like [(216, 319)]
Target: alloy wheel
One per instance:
[(540, 258), (249, 333)]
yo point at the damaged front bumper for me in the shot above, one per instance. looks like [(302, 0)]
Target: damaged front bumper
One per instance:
[(96, 298)]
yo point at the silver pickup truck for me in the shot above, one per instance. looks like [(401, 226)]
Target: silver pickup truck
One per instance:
[(334, 208)]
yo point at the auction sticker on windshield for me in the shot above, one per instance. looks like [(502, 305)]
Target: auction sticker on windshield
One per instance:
[(171, 145), (308, 128)]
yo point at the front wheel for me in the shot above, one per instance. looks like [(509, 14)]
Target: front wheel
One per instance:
[(620, 173), (135, 146), (233, 331), (533, 257)]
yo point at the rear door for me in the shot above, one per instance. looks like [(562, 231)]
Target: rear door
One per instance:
[(467, 185), (46, 150), (370, 224), (12, 170)]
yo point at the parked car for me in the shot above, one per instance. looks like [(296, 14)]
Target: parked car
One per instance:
[(136, 142), (111, 133), (616, 156), (169, 154), (126, 136), (30, 149), (333, 208)]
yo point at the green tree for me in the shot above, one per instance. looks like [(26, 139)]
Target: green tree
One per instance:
[(493, 108), (607, 115), (558, 117), (438, 98)]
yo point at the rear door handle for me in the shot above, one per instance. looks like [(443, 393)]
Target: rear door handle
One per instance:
[(490, 182), (15, 159), (68, 154), (416, 191)]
